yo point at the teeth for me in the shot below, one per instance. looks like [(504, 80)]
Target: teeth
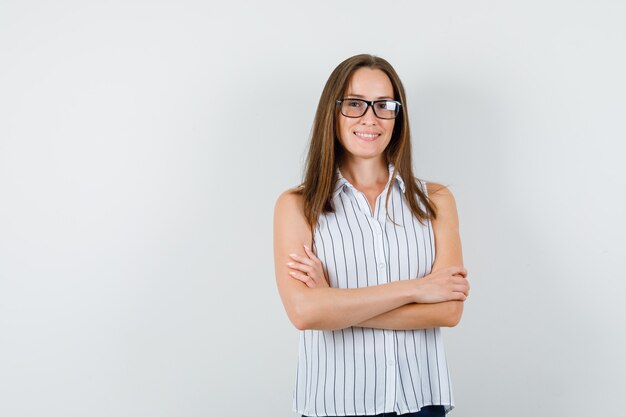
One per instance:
[(366, 135)]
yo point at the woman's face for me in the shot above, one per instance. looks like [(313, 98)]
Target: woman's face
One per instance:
[(367, 136)]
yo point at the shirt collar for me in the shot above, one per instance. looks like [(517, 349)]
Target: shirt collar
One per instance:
[(343, 182)]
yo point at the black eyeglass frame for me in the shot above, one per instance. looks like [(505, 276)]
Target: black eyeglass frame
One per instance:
[(368, 105)]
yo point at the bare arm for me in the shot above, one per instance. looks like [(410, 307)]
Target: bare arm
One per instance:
[(448, 253), (337, 308), (417, 316)]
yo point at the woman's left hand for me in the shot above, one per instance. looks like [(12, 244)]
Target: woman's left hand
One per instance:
[(308, 269)]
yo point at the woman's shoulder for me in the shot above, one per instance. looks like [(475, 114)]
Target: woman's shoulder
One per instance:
[(438, 194), (290, 201), (290, 221), (442, 198), (430, 187), (436, 190)]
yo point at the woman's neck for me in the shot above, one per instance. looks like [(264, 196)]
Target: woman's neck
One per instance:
[(365, 173)]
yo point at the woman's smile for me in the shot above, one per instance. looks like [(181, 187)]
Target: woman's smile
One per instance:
[(367, 136)]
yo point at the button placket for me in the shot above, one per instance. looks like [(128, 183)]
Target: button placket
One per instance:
[(363, 203)]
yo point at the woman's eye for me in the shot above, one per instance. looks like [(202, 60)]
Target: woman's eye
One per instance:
[(354, 103), (386, 105)]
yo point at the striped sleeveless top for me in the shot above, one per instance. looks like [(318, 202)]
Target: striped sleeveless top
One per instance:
[(365, 371)]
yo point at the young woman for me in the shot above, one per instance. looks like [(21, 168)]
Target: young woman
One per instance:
[(368, 258)]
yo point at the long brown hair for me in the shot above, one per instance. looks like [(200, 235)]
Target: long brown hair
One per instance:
[(325, 150)]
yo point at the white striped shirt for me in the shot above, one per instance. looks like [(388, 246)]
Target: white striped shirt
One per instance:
[(364, 371)]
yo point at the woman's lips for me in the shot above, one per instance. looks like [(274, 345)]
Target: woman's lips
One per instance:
[(367, 137)]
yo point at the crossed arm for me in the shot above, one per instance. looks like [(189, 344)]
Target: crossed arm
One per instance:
[(435, 300)]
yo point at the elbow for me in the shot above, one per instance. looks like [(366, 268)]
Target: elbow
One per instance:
[(308, 323), (306, 313), (309, 316), (302, 316), (453, 321), (304, 322), (299, 320), (300, 324), (454, 313)]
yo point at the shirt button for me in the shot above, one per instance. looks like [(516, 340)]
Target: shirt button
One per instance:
[(378, 232), (381, 265), (391, 362)]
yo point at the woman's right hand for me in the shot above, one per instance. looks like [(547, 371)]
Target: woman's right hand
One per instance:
[(308, 269), (446, 284)]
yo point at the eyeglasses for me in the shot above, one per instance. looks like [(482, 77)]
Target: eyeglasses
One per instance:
[(383, 109)]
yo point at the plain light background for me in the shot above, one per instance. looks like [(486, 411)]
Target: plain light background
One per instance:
[(143, 145)]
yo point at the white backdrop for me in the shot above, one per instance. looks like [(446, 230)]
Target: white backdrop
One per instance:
[(143, 145)]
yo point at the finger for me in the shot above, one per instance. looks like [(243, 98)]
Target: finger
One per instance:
[(458, 280), (458, 270), (310, 252), (459, 296), (314, 276), (300, 267), (461, 288), (301, 259), (304, 278), (462, 284)]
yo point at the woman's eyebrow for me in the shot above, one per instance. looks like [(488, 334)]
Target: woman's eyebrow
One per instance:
[(360, 96)]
